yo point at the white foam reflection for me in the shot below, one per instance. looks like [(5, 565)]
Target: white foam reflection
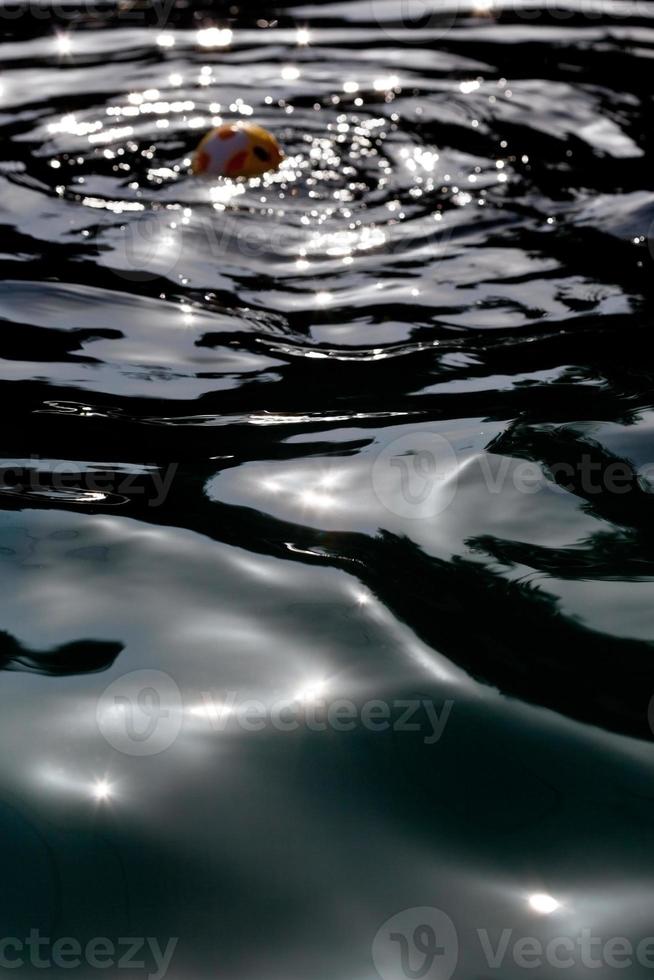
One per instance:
[(543, 904), (215, 37), (102, 790), (66, 782), (312, 692), (64, 43)]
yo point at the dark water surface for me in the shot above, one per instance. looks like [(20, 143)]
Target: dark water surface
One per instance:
[(379, 427)]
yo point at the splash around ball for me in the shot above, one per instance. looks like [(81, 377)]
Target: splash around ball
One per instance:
[(240, 149)]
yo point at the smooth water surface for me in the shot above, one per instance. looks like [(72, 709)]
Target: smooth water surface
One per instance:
[(376, 428)]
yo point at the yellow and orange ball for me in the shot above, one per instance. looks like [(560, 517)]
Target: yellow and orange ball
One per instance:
[(239, 149)]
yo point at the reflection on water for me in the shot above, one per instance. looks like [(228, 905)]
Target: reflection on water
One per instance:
[(325, 541)]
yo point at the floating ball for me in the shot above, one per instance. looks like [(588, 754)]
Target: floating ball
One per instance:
[(237, 150)]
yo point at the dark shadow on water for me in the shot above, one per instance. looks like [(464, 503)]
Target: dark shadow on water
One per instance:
[(78, 657)]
